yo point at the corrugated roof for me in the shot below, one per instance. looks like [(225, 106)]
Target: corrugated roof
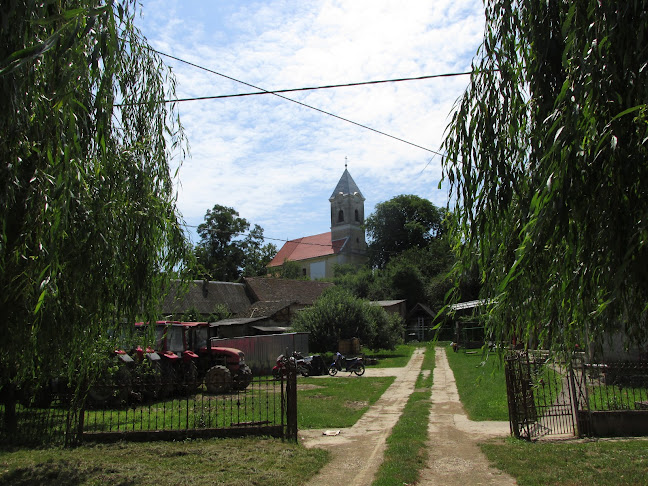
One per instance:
[(346, 186), (308, 247)]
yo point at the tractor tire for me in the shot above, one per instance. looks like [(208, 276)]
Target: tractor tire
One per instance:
[(242, 379), (218, 379)]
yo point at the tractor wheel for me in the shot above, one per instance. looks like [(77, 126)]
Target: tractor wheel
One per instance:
[(243, 378), (218, 379)]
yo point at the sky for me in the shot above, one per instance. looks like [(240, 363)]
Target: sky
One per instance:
[(277, 162)]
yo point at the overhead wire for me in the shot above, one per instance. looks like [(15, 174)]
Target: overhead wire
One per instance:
[(277, 93)]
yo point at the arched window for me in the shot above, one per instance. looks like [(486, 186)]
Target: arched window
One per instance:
[(341, 216), (357, 216)]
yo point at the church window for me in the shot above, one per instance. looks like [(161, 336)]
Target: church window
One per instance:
[(341, 216), (357, 218)]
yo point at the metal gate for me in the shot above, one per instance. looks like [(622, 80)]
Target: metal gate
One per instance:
[(540, 396)]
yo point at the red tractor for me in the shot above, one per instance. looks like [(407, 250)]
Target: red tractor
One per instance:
[(186, 357), (222, 368)]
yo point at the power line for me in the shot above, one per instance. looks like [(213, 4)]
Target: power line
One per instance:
[(292, 90), (276, 93)]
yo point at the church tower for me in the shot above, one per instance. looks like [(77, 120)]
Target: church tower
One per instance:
[(347, 215)]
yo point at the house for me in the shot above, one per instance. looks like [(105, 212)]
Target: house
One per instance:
[(344, 244)]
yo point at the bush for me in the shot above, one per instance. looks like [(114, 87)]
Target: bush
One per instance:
[(337, 314)]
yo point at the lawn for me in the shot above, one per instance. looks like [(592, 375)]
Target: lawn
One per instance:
[(481, 384), (391, 359), (574, 463), (235, 462), (336, 401)]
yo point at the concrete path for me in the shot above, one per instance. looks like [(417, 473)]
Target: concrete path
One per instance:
[(455, 458), (358, 451)]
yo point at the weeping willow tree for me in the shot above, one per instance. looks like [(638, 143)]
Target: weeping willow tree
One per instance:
[(547, 164), (88, 218)]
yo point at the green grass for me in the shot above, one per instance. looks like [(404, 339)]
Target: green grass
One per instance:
[(392, 359), (336, 401), (481, 384), (406, 454), (236, 462), (604, 462)]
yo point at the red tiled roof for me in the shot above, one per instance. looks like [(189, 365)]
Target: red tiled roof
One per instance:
[(308, 247)]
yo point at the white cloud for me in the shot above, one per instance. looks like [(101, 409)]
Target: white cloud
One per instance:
[(277, 162)]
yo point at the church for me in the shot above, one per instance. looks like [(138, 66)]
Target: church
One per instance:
[(344, 244)]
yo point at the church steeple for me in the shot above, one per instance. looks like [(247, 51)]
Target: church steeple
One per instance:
[(347, 213)]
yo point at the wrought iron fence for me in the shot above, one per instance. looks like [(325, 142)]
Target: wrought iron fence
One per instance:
[(267, 406), (548, 397)]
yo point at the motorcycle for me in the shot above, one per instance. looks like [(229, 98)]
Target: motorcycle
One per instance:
[(352, 365), (303, 365)]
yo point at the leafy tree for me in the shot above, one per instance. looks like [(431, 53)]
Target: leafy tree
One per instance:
[(90, 229), (403, 222), (222, 255), (218, 251), (547, 164), (337, 314), (257, 255), (291, 269)]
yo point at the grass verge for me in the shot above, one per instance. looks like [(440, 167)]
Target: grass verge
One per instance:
[(481, 384), (602, 462), (406, 453), (392, 359), (236, 462), (336, 401)]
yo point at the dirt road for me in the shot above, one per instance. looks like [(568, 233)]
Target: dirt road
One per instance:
[(455, 458), (358, 451)]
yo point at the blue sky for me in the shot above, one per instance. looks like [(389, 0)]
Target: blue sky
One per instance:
[(277, 162)]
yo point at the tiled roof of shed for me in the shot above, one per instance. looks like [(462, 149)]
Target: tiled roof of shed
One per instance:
[(303, 292), (203, 296), (308, 247)]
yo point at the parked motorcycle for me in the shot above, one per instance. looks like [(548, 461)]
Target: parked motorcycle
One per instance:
[(351, 365), (303, 364)]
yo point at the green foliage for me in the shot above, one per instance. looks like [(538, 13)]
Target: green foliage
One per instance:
[(89, 229), (291, 269), (547, 165), (222, 255), (403, 222), (337, 314)]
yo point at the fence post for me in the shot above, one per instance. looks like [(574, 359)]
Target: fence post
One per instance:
[(291, 401)]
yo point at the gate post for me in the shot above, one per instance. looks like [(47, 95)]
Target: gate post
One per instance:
[(291, 401)]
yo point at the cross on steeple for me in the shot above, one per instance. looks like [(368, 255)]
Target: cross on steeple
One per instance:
[(345, 162)]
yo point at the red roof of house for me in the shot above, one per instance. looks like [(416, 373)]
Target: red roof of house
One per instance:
[(308, 247)]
